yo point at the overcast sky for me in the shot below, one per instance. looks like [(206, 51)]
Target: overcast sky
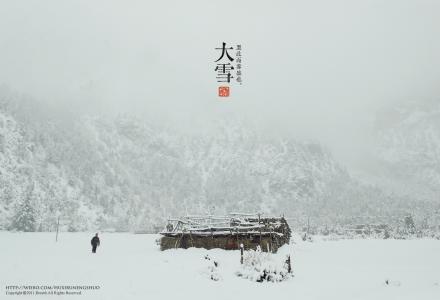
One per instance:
[(312, 69)]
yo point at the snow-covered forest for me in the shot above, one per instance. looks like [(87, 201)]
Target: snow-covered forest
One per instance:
[(124, 173)]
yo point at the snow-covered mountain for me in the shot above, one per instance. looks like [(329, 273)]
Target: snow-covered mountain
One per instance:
[(408, 149), (127, 174)]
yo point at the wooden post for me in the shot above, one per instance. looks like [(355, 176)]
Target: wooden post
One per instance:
[(272, 240), (236, 234), (308, 225), (58, 227), (289, 266), (192, 241), (241, 253), (259, 223)]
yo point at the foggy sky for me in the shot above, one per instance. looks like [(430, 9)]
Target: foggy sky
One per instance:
[(311, 69)]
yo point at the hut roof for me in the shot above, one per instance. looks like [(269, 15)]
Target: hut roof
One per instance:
[(243, 223)]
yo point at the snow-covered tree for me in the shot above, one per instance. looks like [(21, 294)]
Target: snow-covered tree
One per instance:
[(25, 215)]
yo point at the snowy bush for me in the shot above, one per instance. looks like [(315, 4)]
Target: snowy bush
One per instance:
[(332, 237), (307, 237), (260, 266), (211, 269), (392, 282)]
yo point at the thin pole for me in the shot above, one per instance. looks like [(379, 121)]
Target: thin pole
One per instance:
[(259, 223), (308, 225), (58, 226)]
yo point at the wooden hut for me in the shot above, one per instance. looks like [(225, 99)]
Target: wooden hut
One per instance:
[(226, 232)]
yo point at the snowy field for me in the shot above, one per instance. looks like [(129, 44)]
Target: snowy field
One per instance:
[(131, 266)]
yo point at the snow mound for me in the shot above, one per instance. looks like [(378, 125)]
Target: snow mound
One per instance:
[(211, 270), (260, 266)]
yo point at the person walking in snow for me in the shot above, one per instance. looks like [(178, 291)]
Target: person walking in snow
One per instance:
[(95, 243)]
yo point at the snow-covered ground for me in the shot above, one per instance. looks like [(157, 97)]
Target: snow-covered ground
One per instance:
[(129, 266)]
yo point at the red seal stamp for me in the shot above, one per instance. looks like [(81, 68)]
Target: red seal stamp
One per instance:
[(223, 91)]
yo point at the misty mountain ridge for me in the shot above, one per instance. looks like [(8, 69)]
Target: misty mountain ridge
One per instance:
[(127, 174), (408, 148)]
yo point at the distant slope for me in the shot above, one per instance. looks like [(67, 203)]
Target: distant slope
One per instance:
[(408, 139), (126, 174)]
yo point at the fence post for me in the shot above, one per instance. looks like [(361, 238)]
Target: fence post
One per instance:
[(58, 226)]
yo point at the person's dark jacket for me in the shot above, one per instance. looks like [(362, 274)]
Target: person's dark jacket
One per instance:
[(95, 241)]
